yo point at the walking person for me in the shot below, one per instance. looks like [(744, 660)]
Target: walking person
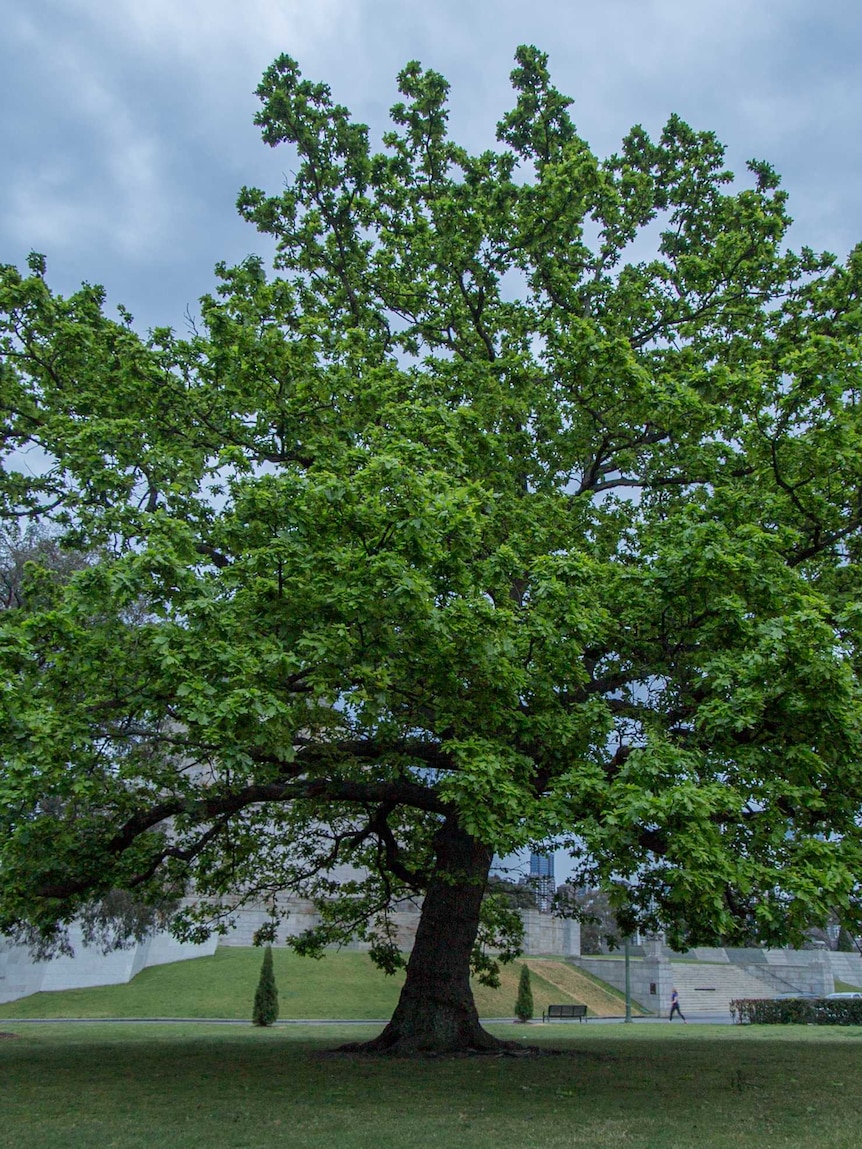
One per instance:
[(674, 1006)]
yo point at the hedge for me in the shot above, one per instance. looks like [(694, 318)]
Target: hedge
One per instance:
[(797, 1011)]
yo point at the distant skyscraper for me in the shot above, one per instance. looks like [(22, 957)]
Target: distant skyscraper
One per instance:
[(542, 880)]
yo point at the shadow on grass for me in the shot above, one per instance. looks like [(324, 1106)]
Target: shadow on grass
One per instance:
[(205, 1087)]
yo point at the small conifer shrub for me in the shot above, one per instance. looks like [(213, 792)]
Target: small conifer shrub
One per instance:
[(266, 995), (524, 1004)]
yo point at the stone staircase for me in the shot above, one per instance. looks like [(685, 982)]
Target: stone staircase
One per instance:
[(706, 987), (846, 967)]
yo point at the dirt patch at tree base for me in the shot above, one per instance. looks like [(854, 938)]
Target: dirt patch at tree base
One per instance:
[(358, 1050)]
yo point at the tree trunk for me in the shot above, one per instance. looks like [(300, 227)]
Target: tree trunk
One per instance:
[(436, 1012)]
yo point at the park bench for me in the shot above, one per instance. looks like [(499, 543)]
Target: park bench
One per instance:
[(565, 1012)]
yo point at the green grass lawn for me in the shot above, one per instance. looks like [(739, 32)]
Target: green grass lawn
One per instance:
[(341, 984), (640, 1086)]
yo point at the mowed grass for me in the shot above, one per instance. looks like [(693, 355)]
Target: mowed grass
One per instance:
[(340, 985), (643, 1086)]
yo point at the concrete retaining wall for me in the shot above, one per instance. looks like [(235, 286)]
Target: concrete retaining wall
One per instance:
[(651, 980), (20, 975), (543, 934)]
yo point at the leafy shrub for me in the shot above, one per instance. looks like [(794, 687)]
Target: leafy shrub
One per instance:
[(524, 1004), (797, 1011), (266, 995)]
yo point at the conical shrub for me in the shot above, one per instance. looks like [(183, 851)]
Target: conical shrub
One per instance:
[(266, 995), (524, 1004)]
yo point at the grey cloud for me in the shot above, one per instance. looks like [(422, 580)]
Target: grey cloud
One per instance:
[(132, 128)]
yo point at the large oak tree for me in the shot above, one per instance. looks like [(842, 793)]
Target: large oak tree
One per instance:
[(523, 501)]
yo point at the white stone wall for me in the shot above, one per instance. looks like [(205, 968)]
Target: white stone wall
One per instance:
[(651, 979), (543, 934), (20, 975)]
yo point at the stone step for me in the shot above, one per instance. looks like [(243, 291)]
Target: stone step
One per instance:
[(704, 987)]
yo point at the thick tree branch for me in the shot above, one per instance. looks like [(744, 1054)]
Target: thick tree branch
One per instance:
[(206, 810)]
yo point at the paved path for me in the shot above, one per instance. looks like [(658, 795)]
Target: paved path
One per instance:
[(693, 1019)]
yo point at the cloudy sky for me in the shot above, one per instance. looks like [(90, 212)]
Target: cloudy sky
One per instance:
[(127, 124)]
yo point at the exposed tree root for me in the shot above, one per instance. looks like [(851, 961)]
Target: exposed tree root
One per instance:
[(411, 1050)]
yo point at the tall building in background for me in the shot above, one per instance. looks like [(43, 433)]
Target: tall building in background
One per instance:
[(542, 879)]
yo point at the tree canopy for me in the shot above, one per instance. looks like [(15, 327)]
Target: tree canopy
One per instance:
[(522, 502)]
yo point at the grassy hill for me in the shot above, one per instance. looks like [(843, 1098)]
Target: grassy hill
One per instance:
[(572, 984), (343, 984)]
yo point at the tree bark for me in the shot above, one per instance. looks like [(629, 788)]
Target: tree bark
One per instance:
[(436, 1012)]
